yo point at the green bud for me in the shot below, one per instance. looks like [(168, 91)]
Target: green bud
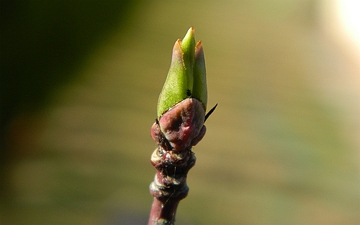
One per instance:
[(187, 75)]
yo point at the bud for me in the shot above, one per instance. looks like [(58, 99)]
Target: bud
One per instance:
[(187, 75), (183, 99)]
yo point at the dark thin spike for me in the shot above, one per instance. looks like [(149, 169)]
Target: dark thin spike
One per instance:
[(209, 113)]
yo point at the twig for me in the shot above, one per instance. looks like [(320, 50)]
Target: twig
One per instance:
[(179, 126)]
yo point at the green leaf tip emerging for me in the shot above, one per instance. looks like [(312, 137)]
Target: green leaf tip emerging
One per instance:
[(187, 74)]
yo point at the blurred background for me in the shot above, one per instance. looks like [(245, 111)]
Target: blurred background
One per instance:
[(79, 88)]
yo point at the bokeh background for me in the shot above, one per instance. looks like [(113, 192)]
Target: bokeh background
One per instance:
[(79, 87)]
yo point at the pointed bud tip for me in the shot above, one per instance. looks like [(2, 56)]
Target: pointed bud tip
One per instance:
[(199, 50), (177, 49), (190, 32), (188, 41)]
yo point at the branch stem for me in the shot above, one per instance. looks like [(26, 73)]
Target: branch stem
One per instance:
[(169, 185)]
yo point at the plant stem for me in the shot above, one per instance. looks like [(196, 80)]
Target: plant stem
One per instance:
[(169, 185)]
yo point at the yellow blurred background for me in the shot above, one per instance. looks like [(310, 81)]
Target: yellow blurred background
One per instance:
[(79, 87)]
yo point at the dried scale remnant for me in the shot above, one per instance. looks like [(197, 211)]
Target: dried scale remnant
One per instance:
[(179, 126)]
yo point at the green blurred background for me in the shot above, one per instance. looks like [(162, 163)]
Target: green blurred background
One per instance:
[(79, 87)]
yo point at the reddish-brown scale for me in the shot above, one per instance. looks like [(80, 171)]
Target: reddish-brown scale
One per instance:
[(182, 124)]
